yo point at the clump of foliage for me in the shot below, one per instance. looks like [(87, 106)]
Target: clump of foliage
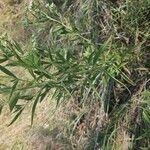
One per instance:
[(86, 52)]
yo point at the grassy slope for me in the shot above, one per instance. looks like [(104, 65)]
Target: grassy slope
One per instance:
[(123, 131)]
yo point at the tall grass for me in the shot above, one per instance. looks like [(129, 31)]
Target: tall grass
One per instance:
[(85, 52)]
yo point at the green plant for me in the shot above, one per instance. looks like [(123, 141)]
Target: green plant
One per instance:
[(78, 51)]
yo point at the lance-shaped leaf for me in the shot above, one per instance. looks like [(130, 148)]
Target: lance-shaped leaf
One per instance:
[(35, 104), (13, 89), (13, 101), (16, 116), (6, 71)]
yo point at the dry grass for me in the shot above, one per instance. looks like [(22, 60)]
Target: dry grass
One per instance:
[(51, 127), (21, 136), (11, 16)]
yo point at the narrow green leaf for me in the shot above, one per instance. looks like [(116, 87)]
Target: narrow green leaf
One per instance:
[(13, 101), (1, 107), (59, 98), (68, 92), (17, 46), (90, 57), (4, 89), (3, 60), (16, 116), (35, 104), (2, 47), (49, 1), (6, 71), (26, 97), (17, 108), (13, 89), (68, 55), (18, 57), (127, 79), (55, 94), (97, 56), (101, 50), (43, 95), (32, 73), (61, 57), (146, 116), (50, 54), (72, 23), (119, 82)]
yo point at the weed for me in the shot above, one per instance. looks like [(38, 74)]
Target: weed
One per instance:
[(85, 52)]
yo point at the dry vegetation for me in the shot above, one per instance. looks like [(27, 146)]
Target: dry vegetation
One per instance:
[(80, 69)]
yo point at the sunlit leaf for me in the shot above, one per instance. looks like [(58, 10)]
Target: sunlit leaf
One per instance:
[(6, 71)]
